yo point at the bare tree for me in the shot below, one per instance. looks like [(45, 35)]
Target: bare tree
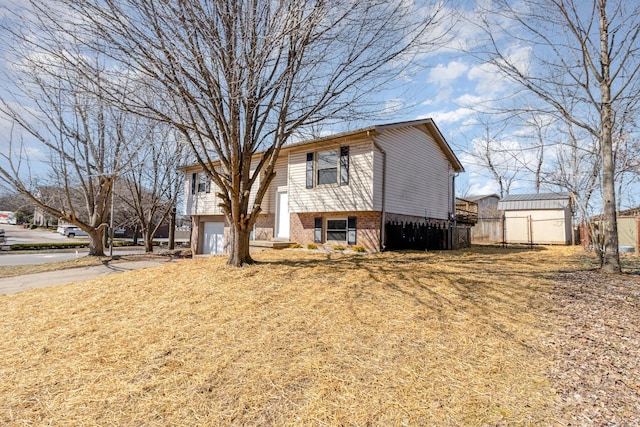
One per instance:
[(240, 77), (581, 61), (151, 190), (501, 160), (627, 161), (63, 113)]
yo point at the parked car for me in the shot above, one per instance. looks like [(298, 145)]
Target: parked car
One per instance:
[(74, 231), (61, 228)]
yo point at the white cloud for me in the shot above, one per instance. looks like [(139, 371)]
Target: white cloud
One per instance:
[(489, 83), (446, 74), (449, 117)]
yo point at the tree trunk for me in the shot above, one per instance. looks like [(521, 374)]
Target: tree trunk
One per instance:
[(96, 245), (172, 229), (148, 241), (239, 246), (611, 258)]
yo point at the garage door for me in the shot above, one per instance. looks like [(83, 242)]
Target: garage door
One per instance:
[(213, 238)]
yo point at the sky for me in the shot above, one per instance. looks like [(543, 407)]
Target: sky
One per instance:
[(448, 88)]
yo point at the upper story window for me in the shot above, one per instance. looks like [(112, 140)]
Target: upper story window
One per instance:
[(200, 182), (328, 167)]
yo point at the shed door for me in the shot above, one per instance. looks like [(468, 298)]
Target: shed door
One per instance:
[(213, 240)]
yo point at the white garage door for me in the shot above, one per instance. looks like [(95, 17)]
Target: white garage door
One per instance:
[(213, 241)]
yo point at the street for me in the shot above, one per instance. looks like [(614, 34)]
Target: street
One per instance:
[(18, 234), (37, 257)]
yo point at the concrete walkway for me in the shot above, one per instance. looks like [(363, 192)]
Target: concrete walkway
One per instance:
[(11, 285)]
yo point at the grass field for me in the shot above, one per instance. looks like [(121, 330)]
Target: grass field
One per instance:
[(302, 338)]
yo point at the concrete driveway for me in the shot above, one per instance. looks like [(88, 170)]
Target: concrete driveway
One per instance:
[(11, 285)]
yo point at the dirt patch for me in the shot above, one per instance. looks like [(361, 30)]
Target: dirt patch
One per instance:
[(596, 348)]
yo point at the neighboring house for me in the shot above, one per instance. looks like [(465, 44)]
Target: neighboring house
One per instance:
[(537, 218), (628, 230), (488, 229), (341, 189)]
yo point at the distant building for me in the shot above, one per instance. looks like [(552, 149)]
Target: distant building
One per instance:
[(7, 217), (537, 218), (488, 229)]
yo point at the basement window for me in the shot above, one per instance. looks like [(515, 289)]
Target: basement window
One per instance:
[(337, 230)]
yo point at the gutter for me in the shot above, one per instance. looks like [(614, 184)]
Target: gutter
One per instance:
[(383, 212)]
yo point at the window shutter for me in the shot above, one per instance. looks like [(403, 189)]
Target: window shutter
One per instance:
[(309, 170), (208, 185), (344, 165), (351, 230), (194, 177), (317, 230)]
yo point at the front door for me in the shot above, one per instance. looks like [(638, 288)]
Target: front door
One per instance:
[(282, 214)]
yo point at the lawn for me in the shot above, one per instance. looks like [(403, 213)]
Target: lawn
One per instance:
[(303, 338)]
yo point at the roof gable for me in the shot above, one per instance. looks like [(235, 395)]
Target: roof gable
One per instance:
[(426, 125)]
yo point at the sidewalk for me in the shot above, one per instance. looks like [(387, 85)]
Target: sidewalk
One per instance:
[(11, 285)]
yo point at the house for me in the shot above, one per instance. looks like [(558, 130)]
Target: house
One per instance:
[(537, 218), (488, 228), (628, 230), (343, 189)]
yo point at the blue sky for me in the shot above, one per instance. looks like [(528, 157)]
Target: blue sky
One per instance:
[(448, 88)]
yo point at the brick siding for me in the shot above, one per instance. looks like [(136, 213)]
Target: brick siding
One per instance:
[(367, 227)]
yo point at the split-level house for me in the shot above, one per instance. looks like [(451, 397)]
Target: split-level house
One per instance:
[(341, 190)]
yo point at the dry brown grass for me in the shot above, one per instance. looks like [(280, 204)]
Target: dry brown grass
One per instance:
[(303, 338)]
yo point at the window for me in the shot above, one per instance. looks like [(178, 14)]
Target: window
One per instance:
[(327, 167), (331, 167), (204, 183), (337, 230)]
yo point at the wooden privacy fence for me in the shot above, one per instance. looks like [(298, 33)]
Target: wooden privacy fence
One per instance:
[(410, 235)]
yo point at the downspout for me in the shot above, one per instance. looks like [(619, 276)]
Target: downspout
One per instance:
[(454, 217), (383, 211)]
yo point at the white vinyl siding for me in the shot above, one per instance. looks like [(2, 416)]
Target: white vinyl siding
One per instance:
[(200, 203), (269, 203), (418, 174), (357, 195), (206, 203)]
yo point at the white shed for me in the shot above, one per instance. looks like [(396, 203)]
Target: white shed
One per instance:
[(543, 219)]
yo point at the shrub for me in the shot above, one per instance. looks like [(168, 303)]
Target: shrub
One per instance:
[(359, 249), (312, 246), (39, 246), (296, 246), (339, 248)]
